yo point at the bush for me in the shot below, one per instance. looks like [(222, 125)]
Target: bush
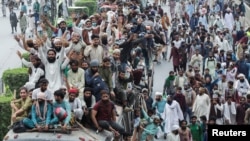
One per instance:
[(92, 5), (5, 114), (13, 79), (26, 56)]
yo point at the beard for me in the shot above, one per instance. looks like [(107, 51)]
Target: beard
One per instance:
[(71, 100), (58, 49), (43, 89), (41, 102), (94, 71), (105, 101), (37, 65), (95, 45), (170, 102), (75, 70), (63, 29), (51, 59)]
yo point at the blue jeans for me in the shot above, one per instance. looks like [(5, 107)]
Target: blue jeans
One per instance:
[(188, 112)]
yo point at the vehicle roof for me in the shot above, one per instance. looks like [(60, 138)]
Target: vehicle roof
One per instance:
[(74, 136), (75, 7)]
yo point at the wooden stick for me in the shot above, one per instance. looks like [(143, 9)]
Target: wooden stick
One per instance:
[(86, 130)]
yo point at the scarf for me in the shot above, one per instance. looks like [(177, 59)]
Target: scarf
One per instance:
[(169, 79), (38, 112)]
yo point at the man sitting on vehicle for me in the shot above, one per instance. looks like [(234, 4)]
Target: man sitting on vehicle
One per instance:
[(104, 116), (62, 110), (88, 103), (43, 88), (121, 90), (21, 107), (41, 113), (75, 104)]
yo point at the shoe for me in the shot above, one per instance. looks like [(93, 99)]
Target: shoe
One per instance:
[(127, 109), (156, 137), (165, 136)]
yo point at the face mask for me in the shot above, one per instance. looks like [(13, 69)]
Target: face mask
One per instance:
[(94, 24)]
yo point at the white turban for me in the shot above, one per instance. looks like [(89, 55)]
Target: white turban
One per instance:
[(158, 93), (175, 127), (56, 40)]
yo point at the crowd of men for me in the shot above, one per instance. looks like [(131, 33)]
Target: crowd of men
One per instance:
[(82, 70)]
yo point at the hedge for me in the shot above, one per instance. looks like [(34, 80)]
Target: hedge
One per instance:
[(92, 5), (13, 79), (5, 114)]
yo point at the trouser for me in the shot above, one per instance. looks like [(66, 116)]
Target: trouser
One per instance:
[(188, 113), (23, 30), (4, 9), (176, 68), (30, 124), (13, 27), (107, 124), (146, 57)]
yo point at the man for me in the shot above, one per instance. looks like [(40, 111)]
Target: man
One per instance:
[(88, 103), (61, 110), (13, 20), (159, 106), (197, 59), (94, 80), (106, 73), (125, 95), (87, 31), (94, 51), (53, 64), (172, 114), (76, 77), (240, 111), (78, 46), (103, 115), (23, 22), (174, 134), (180, 80), (184, 131), (43, 88), (36, 10), (21, 107), (202, 104), (196, 129), (216, 109), (168, 87), (148, 99), (229, 111), (180, 98), (229, 19), (242, 85), (210, 63), (41, 113), (37, 70), (75, 104), (190, 97)]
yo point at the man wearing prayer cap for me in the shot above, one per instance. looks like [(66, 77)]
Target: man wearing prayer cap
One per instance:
[(75, 103), (174, 134)]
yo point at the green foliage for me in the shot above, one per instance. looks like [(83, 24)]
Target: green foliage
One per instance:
[(5, 114), (26, 56), (91, 4), (15, 78)]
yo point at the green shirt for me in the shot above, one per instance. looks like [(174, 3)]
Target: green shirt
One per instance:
[(196, 132)]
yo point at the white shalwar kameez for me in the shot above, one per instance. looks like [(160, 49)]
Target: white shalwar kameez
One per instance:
[(202, 105), (53, 71), (171, 115)]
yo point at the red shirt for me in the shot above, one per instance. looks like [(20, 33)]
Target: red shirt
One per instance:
[(104, 111)]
